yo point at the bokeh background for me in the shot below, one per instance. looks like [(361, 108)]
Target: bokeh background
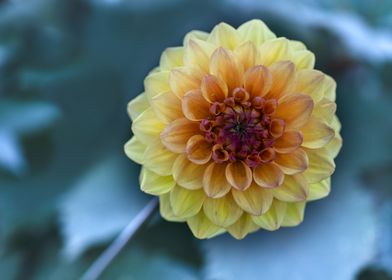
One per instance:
[(68, 69)]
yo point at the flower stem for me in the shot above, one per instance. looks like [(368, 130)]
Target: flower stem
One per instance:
[(100, 264)]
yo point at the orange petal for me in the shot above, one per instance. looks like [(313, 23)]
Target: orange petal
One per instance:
[(288, 142), (257, 81), (225, 65), (222, 211), (295, 188), (239, 175), (183, 79), (254, 200), (176, 134), (295, 110), (316, 134), (213, 89), (167, 107), (292, 163), (215, 183), (188, 174), (268, 175), (194, 106), (248, 55), (283, 79), (198, 149), (277, 127)]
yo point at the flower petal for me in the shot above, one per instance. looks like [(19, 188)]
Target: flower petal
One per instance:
[(292, 163), (268, 175), (222, 211), (255, 31), (176, 134), (257, 81), (156, 83), (254, 200), (302, 58), (147, 126), (239, 175), (329, 88), (186, 203), (295, 188), (224, 35), (137, 106), (288, 142), (225, 66), (242, 227), (335, 145), (202, 227), (324, 110), (188, 174), (194, 106), (152, 183), (158, 158), (316, 134), (283, 79), (197, 53), (295, 110), (195, 34), (321, 165), (274, 50), (166, 209), (134, 149), (311, 82), (172, 58), (294, 214), (167, 107), (198, 150), (247, 55), (184, 79), (273, 218), (215, 183), (213, 89), (319, 190)]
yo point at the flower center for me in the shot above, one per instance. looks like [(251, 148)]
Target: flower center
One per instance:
[(242, 128)]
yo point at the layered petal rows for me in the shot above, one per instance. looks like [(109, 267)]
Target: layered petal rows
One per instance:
[(235, 131)]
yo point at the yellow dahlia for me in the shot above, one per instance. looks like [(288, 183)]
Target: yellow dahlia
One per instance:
[(235, 131)]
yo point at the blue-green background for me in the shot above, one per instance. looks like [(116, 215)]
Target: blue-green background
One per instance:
[(68, 69)]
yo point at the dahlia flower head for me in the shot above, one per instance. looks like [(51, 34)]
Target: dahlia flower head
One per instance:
[(235, 131)]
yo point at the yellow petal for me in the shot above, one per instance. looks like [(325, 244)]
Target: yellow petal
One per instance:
[(172, 58), (292, 163), (176, 134), (198, 150), (288, 142), (242, 227), (311, 82), (283, 79), (239, 175), (198, 53), (156, 83), (319, 190), (330, 88), (268, 175), (147, 126), (202, 227), (166, 209), (255, 31), (303, 59), (247, 55), (274, 50), (295, 188), (213, 89), (225, 66), (194, 106), (335, 145), (222, 211), (273, 218), (295, 110), (158, 158), (294, 214), (224, 35), (186, 203), (137, 106), (254, 200), (257, 81), (188, 174), (167, 107), (155, 184), (324, 110), (316, 134), (184, 79), (215, 183), (321, 165), (195, 34), (134, 149)]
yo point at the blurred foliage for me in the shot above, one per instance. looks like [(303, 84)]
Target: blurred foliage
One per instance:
[(67, 71)]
